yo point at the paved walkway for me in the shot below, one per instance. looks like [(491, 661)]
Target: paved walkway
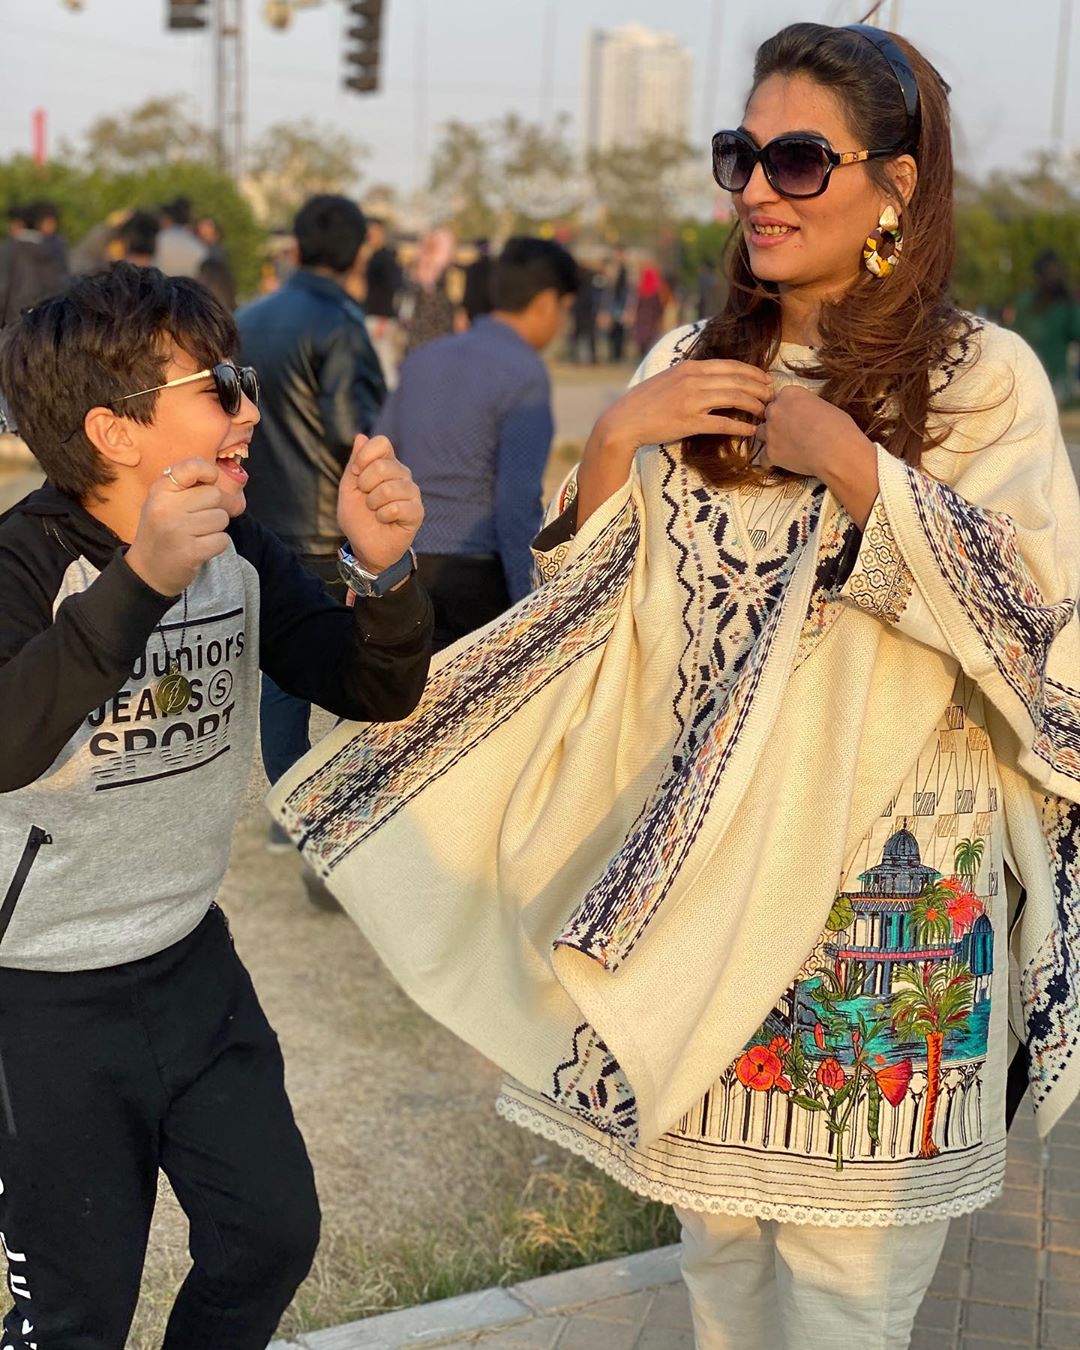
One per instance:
[(1010, 1277)]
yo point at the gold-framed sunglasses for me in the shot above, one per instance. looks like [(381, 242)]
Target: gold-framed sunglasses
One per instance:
[(232, 383)]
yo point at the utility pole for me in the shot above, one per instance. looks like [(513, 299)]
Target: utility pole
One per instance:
[(1061, 82), (229, 82), (712, 69), (547, 67)]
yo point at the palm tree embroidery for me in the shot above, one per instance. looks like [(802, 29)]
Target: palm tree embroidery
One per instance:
[(967, 858), (931, 1000)]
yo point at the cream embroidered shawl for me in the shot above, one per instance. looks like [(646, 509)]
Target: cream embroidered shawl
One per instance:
[(611, 832)]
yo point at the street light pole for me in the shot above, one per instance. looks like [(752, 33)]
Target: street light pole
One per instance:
[(1061, 81), (229, 81), (713, 57)]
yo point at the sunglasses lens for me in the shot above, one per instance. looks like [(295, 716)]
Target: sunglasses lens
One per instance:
[(249, 383), (733, 161), (228, 388), (797, 167)]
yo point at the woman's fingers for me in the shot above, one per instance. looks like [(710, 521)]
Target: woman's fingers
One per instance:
[(728, 370), (714, 424)]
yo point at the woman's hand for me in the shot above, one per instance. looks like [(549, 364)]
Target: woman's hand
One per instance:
[(694, 398), (805, 435)]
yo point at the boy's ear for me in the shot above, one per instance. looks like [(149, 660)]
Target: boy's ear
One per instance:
[(112, 437)]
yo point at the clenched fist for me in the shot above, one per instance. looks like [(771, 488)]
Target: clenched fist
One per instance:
[(379, 506), (182, 525)]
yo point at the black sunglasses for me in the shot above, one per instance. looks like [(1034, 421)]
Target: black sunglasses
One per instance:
[(232, 384), (797, 164)]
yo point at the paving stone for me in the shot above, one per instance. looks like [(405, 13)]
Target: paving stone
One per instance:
[(542, 1333), (1062, 1204), (1063, 1265), (1060, 1331), (1063, 1175), (939, 1314), (997, 1286), (986, 1343), (671, 1308), (1062, 1296), (1027, 1150), (1006, 1257), (591, 1333), (572, 1288), (949, 1280), (626, 1308), (1020, 1173), (1021, 1228), (1007, 1324), (663, 1338), (932, 1340), (428, 1323), (1063, 1235), (1017, 1200)]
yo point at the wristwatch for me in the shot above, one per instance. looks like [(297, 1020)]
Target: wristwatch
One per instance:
[(373, 584)]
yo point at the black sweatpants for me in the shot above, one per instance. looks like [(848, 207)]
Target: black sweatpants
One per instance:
[(109, 1075)]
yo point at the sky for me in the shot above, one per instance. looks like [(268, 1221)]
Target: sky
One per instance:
[(477, 59)]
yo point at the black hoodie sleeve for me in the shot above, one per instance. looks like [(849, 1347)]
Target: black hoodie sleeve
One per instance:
[(368, 664), (53, 672)]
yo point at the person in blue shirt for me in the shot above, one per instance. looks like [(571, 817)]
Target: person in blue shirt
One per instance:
[(471, 418)]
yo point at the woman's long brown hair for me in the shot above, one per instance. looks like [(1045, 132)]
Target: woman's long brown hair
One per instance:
[(882, 339)]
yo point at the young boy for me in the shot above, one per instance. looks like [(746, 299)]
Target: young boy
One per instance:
[(131, 641)]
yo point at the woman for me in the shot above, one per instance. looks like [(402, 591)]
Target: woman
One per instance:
[(648, 309), (715, 842), (427, 312)]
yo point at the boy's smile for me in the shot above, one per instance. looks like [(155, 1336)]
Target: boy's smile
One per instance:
[(189, 422)]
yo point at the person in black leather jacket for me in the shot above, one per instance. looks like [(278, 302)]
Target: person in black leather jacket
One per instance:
[(321, 387)]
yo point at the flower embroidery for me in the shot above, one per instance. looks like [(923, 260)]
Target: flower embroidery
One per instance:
[(831, 1075), (894, 1080), (964, 908), (759, 1068)]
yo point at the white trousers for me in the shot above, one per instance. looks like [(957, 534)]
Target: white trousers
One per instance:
[(759, 1285)]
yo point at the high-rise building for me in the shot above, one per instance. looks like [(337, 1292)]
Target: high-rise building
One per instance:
[(637, 85)]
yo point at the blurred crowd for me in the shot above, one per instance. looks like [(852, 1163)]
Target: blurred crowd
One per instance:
[(416, 288)]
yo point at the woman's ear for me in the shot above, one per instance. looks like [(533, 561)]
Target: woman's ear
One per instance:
[(904, 173), (111, 436)]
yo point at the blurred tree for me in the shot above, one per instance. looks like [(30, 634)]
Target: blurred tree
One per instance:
[(505, 177), (463, 179), (86, 198), (157, 132), (636, 185), (293, 161)]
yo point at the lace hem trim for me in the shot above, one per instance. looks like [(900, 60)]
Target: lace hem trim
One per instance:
[(600, 1156)]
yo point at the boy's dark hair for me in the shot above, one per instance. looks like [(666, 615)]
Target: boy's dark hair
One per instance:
[(178, 210), (107, 335), (42, 211), (527, 266), (139, 233), (330, 232)]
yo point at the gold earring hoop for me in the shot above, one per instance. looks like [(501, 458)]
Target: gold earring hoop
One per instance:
[(890, 236)]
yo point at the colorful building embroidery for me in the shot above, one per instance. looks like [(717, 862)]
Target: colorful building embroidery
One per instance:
[(877, 1050)]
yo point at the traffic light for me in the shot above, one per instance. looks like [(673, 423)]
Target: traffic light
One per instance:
[(365, 31), (186, 15)]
